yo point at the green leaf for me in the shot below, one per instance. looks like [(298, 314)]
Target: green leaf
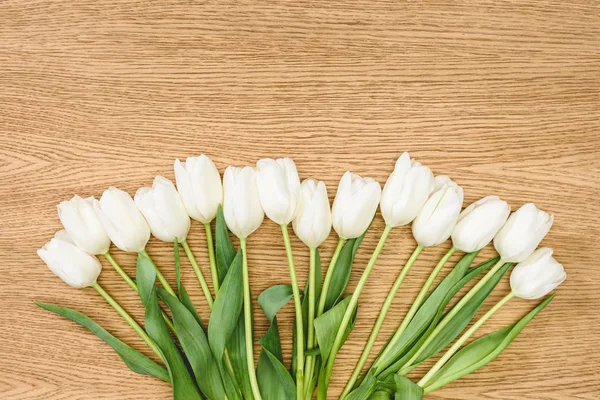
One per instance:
[(226, 309), (272, 299), (274, 380), (406, 389), (482, 351), (380, 395), (224, 250), (236, 346), (327, 325), (368, 385), (195, 345), (342, 271), (135, 360), (183, 384), (182, 294)]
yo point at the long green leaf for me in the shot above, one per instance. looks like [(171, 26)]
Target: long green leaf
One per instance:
[(195, 345), (182, 294), (406, 389), (183, 384), (224, 250), (236, 346), (135, 360), (274, 380), (482, 351)]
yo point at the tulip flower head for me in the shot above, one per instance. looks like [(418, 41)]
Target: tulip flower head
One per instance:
[(199, 185), (279, 189), (241, 203), (122, 221), (70, 263), (437, 218), (83, 226), (164, 210), (406, 191), (522, 233), (313, 224), (537, 275), (354, 205), (479, 223)]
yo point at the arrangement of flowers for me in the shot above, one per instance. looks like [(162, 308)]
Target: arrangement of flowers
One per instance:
[(214, 357)]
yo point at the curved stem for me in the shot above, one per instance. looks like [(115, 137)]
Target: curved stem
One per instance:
[(453, 311), (159, 275), (298, 310), (415, 306), (379, 322), (463, 339), (211, 258), (329, 275), (312, 281), (248, 323), (136, 327), (337, 343), (196, 268)]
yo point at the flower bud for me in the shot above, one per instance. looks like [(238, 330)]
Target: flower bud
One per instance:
[(122, 221), (406, 191), (479, 222), (70, 263), (313, 224), (279, 189), (437, 218), (537, 275), (354, 205), (199, 184), (83, 226), (241, 203), (522, 233), (163, 209)]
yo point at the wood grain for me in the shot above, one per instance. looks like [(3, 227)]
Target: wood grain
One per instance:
[(503, 96)]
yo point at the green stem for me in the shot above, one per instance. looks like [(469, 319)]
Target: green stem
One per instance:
[(159, 275), (453, 311), (329, 275), (337, 343), (196, 268), (211, 257), (248, 323), (298, 310), (379, 322), (415, 307), (312, 281), (456, 346), (133, 285), (136, 327)]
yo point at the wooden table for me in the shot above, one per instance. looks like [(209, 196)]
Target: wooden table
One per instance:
[(501, 96)]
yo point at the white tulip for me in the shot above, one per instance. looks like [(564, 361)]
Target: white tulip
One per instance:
[(70, 263), (522, 233), (479, 223), (354, 205), (163, 209), (124, 223), (199, 185), (537, 275), (241, 203), (313, 224), (406, 191), (279, 189), (83, 226), (437, 218)]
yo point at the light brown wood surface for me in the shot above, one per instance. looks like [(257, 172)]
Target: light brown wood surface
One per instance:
[(502, 96)]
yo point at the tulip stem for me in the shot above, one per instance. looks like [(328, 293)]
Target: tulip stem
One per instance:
[(298, 310), (414, 308), (248, 323), (381, 317), (337, 343), (211, 257), (463, 339), (196, 268), (329, 276), (451, 314), (136, 327), (159, 275), (312, 281)]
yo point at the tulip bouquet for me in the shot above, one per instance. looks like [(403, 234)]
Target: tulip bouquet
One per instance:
[(214, 357)]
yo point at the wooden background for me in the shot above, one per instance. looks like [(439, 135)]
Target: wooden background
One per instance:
[(502, 96)]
